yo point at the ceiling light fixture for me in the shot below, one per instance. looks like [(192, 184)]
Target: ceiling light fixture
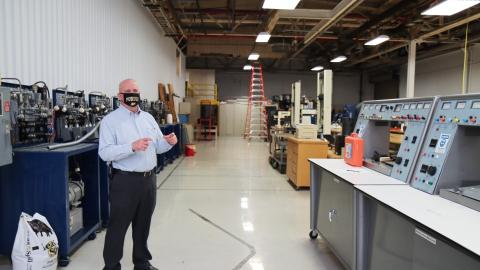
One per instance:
[(280, 4), (378, 40), (263, 37), (253, 56), (317, 68), (450, 7), (339, 59), (247, 67)]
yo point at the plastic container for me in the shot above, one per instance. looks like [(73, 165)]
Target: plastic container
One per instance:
[(353, 150), (169, 119), (183, 118), (190, 150)]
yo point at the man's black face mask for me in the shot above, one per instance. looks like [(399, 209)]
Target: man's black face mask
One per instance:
[(131, 99)]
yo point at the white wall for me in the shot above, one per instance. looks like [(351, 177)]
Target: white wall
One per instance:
[(87, 44), (442, 75), (201, 76), (346, 86)]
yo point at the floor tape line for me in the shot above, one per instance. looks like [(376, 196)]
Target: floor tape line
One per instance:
[(253, 252), (170, 174)]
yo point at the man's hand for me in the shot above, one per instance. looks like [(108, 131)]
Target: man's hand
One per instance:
[(141, 145), (171, 138)]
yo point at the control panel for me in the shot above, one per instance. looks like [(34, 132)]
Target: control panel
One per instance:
[(374, 126), (448, 157), (72, 117), (5, 127)]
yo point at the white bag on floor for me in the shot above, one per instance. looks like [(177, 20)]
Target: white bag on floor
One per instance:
[(36, 245)]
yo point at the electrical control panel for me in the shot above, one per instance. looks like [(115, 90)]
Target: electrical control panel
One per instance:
[(5, 127), (72, 117), (374, 125), (448, 157), (30, 113), (99, 106)]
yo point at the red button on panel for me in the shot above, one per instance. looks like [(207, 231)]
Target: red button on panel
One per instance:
[(7, 106)]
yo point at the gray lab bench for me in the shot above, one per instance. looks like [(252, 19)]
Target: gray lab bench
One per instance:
[(375, 222)]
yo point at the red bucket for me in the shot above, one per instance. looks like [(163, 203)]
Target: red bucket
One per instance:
[(190, 150)]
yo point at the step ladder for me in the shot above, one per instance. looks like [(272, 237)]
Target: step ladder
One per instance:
[(256, 121)]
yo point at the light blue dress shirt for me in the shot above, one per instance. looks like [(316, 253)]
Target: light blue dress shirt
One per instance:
[(119, 129)]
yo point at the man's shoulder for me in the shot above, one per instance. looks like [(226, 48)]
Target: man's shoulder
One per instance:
[(147, 115), (112, 116)]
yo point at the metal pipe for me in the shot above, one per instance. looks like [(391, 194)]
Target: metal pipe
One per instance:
[(86, 136)]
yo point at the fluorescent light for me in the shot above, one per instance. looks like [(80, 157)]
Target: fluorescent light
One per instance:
[(317, 68), (263, 37), (280, 4), (339, 59), (378, 40), (450, 7), (247, 67), (253, 56)]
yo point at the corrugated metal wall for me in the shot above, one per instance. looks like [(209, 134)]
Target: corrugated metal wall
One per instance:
[(87, 44)]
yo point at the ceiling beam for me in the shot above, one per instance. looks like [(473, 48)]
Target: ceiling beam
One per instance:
[(312, 14), (201, 17), (272, 21), (421, 38), (172, 12), (244, 20), (340, 10), (447, 27)]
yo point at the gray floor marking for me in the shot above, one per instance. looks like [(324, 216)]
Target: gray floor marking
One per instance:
[(170, 174), (250, 247), (239, 189)]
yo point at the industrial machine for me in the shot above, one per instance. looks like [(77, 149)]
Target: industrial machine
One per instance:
[(379, 121), (115, 103), (71, 113), (30, 113), (25, 116), (278, 150), (318, 111), (324, 102), (303, 115), (99, 106), (448, 158), (159, 111), (76, 192), (5, 127), (283, 118)]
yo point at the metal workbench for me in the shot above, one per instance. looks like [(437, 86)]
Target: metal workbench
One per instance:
[(372, 221), (37, 181)]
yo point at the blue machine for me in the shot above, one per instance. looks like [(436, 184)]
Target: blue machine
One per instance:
[(175, 152), (62, 184)]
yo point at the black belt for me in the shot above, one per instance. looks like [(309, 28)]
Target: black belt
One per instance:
[(143, 174)]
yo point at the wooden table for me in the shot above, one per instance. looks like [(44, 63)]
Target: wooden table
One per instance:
[(298, 153)]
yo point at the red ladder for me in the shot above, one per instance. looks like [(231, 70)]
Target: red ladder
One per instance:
[(256, 121)]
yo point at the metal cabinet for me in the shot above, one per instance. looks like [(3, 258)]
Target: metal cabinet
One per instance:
[(395, 242), (336, 216)]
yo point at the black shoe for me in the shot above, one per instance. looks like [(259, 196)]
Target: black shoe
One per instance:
[(145, 268)]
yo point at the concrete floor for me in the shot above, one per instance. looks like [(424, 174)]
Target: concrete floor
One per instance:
[(225, 208)]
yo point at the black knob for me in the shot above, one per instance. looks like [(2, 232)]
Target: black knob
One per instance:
[(398, 160), (432, 170)]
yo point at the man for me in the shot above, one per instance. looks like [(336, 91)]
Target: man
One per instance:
[(130, 139)]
